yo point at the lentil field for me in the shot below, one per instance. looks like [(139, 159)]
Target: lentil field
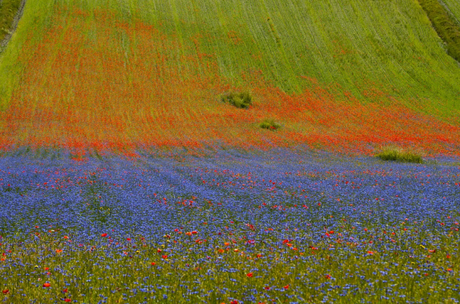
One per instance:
[(125, 178)]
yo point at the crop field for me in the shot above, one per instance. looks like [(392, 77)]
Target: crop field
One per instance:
[(229, 151)]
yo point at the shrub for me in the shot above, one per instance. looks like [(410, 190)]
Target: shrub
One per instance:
[(240, 100), (397, 154), (270, 124)]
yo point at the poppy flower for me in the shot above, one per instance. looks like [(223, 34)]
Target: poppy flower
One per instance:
[(5, 291), (46, 284), (267, 287), (249, 275), (286, 287), (104, 234), (67, 300), (327, 276), (153, 263), (164, 257)]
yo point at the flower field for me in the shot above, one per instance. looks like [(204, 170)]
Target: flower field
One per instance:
[(227, 151), (231, 227), (97, 76)]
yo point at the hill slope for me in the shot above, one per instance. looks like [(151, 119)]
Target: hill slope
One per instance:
[(137, 73)]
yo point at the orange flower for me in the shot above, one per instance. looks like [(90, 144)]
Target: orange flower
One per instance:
[(46, 285), (58, 250)]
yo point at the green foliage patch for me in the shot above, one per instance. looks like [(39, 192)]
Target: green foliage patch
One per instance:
[(270, 124), (445, 26), (399, 155), (241, 100)]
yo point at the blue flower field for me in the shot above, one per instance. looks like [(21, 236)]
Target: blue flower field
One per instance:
[(231, 227)]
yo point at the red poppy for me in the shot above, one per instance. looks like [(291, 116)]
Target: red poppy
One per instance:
[(104, 234), (164, 256), (267, 287), (249, 275), (64, 290), (327, 276), (128, 239), (286, 287), (46, 284), (153, 263), (67, 300), (5, 291)]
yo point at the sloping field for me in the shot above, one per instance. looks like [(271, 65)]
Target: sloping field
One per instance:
[(341, 75)]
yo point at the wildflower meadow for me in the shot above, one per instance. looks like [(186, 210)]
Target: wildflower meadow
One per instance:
[(231, 227), (228, 151)]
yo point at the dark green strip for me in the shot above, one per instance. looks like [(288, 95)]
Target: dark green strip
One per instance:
[(9, 12), (445, 26)]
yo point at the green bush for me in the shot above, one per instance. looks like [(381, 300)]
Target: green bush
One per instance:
[(240, 100), (445, 26), (270, 124), (396, 154)]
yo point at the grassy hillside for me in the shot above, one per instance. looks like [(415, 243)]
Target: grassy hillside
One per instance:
[(136, 73)]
